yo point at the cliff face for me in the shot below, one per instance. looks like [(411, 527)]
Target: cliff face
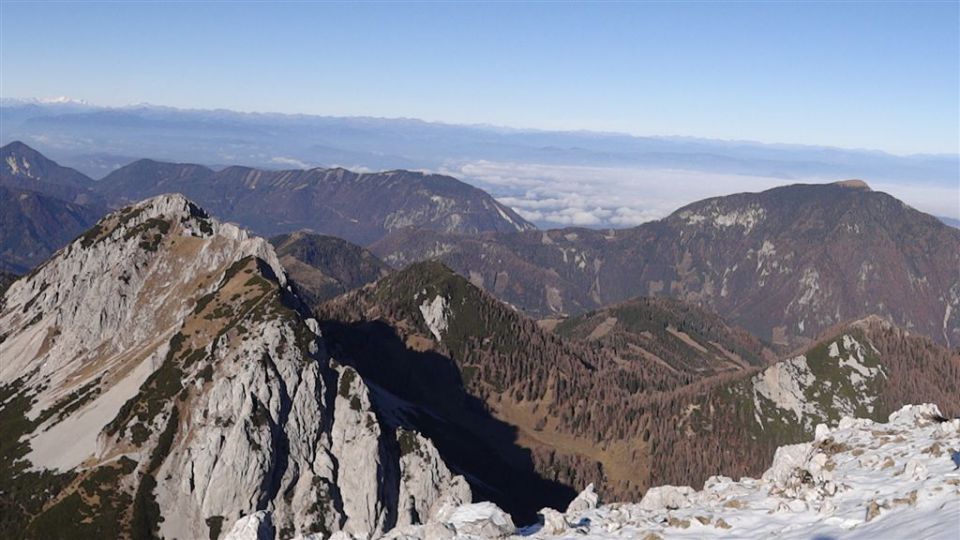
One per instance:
[(161, 377)]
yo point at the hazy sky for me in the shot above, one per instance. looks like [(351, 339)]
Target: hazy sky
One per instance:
[(869, 75)]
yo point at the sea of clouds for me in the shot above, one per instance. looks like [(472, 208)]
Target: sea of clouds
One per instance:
[(601, 197)]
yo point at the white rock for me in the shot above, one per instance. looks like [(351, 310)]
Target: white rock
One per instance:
[(553, 522), (666, 497), (915, 469), (426, 484), (910, 415), (585, 500), (256, 526), (484, 519), (786, 460)]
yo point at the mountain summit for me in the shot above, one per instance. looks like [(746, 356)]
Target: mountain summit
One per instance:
[(160, 378)]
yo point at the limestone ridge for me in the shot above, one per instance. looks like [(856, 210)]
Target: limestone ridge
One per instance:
[(161, 378)]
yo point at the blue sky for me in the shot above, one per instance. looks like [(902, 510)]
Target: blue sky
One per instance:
[(866, 75)]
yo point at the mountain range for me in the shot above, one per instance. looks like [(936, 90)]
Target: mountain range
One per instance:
[(360, 208), (170, 374), (96, 139), (167, 379), (785, 264)]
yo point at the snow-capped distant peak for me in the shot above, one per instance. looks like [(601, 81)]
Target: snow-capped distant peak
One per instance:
[(62, 100)]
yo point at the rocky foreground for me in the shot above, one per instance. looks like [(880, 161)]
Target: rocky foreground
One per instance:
[(860, 479)]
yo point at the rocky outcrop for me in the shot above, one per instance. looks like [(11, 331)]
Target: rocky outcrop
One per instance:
[(422, 471), (163, 358), (256, 526), (585, 500)]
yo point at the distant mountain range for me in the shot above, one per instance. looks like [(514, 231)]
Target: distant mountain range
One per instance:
[(68, 130), (23, 167), (786, 264), (361, 208)]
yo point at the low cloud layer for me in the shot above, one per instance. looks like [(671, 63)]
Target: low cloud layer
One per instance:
[(599, 197)]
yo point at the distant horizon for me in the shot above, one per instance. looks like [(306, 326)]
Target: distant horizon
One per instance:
[(67, 100), (855, 75)]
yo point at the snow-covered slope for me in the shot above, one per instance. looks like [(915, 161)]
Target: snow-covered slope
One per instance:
[(858, 480)]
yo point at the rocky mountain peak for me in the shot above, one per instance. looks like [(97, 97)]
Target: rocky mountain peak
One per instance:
[(165, 380)]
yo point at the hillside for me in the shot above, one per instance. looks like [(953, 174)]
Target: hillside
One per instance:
[(42, 207), (687, 339), (732, 426), (785, 264), (360, 208), (23, 167), (34, 225), (161, 379), (21, 161), (323, 267)]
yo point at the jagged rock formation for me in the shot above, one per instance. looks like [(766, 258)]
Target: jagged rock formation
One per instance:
[(323, 267), (859, 480), (160, 378), (785, 264), (360, 208)]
